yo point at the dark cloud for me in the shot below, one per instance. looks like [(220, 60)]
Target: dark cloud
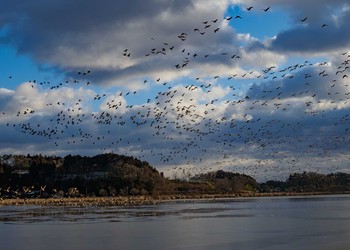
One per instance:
[(314, 38), (76, 36), (43, 29), (67, 17), (309, 36)]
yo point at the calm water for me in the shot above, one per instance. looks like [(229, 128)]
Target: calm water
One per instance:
[(321, 222)]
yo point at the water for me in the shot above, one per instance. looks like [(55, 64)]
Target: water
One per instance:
[(318, 222)]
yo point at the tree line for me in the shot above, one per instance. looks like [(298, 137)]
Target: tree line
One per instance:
[(113, 175)]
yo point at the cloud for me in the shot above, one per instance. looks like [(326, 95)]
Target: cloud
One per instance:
[(93, 36), (315, 37), (197, 127), (325, 21)]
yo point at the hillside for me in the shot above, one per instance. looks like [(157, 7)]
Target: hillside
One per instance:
[(107, 174)]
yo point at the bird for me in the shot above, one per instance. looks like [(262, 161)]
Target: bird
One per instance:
[(304, 19)]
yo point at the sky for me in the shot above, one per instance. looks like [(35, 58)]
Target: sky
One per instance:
[(255, 87)]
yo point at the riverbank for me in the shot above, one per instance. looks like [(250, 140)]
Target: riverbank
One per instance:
[(145, 200)]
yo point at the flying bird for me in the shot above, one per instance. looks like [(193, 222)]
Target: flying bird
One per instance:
[(304, 19)]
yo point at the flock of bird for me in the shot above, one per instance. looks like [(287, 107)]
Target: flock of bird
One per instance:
[(249, 126), (25, 191)]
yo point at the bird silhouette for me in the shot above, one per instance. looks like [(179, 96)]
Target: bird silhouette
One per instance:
[(304, 19)]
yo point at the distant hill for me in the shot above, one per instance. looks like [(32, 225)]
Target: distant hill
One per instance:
[(225, 182), (309, 182)]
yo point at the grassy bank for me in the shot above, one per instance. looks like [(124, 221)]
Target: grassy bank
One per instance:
[(146, 200)]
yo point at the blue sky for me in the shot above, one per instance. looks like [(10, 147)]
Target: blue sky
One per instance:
[(179, 84), (257, 24)]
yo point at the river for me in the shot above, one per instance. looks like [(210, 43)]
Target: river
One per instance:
[(312, 222)]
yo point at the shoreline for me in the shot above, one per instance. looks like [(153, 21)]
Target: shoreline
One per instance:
[(134, 201)]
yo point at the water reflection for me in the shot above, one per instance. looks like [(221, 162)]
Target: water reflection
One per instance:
[(271, 207), (259, 223)]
